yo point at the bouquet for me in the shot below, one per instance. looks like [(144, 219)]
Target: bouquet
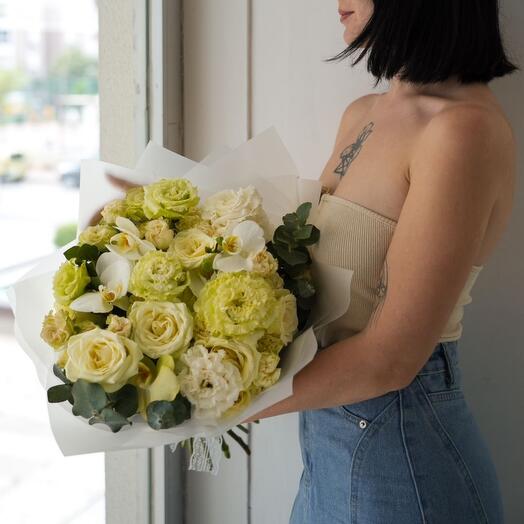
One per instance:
[(186, 307)]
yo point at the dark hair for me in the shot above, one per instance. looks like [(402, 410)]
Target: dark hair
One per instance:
[(426, 41)]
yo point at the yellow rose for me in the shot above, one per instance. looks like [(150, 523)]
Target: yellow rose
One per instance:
[(286, 321), (100, 356), (241, 353), (192, 247), (56, 329), (158, 233), (161, 328), (243, 400)]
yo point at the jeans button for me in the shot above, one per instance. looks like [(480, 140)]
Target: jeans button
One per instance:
[(362, 424)]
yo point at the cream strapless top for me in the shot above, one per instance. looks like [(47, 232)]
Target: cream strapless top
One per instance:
[(355, 237)]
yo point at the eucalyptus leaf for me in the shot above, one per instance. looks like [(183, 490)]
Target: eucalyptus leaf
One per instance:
[(292, 257), (291, 220), (112, 418), (89, 398), (313, 237), (59, 373), (303, 232), (303, 211), (59, 393), (125, 400), (163, 414)]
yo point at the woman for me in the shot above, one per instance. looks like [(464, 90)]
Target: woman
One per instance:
[(421, 181)]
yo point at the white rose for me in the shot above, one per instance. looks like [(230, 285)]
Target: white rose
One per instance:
[(229, 207), (161, 328), (102, 357), (191, 247)]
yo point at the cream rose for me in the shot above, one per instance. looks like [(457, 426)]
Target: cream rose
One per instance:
[(268, 373), (229, 207), (264, 263), (241, 353), (286, 320), (113, 210), (56, 329), (192, 246), (158, 233), (161, 328), (119, 325), (102, 357)]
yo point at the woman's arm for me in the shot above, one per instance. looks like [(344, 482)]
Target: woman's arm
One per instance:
[(456, 173)]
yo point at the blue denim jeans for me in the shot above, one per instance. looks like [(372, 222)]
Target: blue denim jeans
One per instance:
[(411, 456)]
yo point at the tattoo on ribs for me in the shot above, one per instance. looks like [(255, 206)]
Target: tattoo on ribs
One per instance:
[(351, 152), (380, 297)]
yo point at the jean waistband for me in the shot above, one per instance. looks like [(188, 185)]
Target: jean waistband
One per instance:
[(444, 358)]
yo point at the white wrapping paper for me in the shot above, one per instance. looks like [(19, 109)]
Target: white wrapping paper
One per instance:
[(263, 162)]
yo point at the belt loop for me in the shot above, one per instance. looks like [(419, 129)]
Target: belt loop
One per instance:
[(449, 366)]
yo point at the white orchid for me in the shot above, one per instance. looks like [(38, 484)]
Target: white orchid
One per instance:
[(128, 243), (240, 247), (114, 272)]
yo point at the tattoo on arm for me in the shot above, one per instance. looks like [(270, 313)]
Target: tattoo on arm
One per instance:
[(380, 294), (351, 152)]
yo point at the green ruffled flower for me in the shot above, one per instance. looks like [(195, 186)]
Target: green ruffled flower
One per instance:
[(135, 204), (235, 304), (98, 236), (158, 276), (170, 198), (70, 282)]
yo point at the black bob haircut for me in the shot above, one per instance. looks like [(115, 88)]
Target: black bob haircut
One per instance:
[(426, 41)]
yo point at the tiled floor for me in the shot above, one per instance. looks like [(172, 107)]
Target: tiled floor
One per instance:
[(37, 483)]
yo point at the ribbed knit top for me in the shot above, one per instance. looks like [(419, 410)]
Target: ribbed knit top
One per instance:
[(355, 237)]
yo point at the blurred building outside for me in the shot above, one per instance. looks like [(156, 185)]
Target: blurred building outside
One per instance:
[(48, 123)]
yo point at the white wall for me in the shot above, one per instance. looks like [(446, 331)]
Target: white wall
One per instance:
[(492, 345)]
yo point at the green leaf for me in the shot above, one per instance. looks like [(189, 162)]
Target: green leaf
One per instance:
[(125, 400), (303, 232), (292, 257), (59, 393), (113, 419), (283, 236), (206, 268), (291, 220), (313, 238), (72, 252), (303, 212), (89, 398), (305, 288), (58, 372), (163, 414)]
